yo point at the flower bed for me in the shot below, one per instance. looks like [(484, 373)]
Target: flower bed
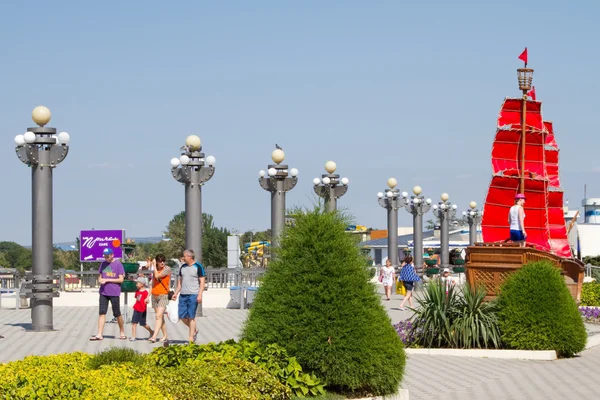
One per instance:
[(590, 314)]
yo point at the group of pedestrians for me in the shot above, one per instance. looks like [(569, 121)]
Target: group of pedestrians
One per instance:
[(189, 290), (408, 276)]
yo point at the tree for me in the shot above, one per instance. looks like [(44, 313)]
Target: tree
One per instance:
[(214, 240), (16, 256), (317, 301)]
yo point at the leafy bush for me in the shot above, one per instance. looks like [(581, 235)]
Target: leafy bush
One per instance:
[(272, 358), (590, 294), (317, 301), (537, 311), (458, 319), (115, 355), (217, 378), (63, 376), (407, 334), (68, 376)]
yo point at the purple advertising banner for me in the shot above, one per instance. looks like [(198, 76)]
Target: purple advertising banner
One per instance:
[(92, 243)]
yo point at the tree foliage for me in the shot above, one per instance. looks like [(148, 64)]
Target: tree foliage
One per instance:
[(214, 240), (317, 301)]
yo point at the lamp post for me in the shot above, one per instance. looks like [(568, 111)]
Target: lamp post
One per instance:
[(473, 219), (330, 187), (42, 150), (444, 211), (278, 183), (417, 206), (392, 202), (525, 78), (193, 170)]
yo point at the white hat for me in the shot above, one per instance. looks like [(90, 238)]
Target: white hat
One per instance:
[(446, 270)]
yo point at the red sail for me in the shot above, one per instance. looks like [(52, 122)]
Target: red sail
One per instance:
[(544, 219)]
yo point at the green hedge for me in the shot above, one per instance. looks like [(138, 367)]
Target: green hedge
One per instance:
[(590, 294), (272, 358), (70, 376), (537, 311)]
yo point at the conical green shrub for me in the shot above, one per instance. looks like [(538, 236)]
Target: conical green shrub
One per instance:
[(537, 312), (317, 301)]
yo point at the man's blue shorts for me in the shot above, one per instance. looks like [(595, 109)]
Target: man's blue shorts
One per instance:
[(187, 306), (516, 236)]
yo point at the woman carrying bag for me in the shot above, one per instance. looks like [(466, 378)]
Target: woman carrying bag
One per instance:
[(409, 276)]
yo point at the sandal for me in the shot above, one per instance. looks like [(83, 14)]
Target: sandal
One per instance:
[(95, 339), (152, 340), (165, 340), (123, 337)]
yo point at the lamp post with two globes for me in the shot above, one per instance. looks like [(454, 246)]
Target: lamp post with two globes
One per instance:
[(278, 183), (42, 150), (392, 202), (473, 219), (444, 211), (329, 186), (193, 170), (417, 206)]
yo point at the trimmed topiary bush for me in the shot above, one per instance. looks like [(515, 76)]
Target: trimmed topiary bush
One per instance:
[(537, 312), (317, 301)]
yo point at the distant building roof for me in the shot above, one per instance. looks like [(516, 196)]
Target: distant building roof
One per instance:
[(402, 240)]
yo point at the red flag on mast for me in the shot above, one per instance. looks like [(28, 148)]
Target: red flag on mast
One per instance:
[(523, 56), (531, 93)]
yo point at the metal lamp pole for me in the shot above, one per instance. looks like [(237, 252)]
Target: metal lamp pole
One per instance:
[(330, 189), (392, 202), (445, 211), (473, 219), (42, 150), (417, 206), (278, 183), (193, 170)]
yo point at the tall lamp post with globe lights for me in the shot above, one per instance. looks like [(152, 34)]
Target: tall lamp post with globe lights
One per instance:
[(330, 187), (392, 202), (417, 206), (42, 150), (278, 181), (445, 211), (193, 170), (473, 219)]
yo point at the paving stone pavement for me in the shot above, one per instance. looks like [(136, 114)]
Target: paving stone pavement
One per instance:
[(427, 377)]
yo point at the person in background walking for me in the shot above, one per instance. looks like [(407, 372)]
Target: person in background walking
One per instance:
[(190, 287), (409, 277), (112, 274), (387, 277), (160, 296)]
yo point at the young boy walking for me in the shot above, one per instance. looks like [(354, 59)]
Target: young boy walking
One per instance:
[(139, 308)]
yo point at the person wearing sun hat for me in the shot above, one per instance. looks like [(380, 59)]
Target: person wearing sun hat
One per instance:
[(516, 220), (112, 274)]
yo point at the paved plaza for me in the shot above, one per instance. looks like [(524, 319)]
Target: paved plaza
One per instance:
[(427, 377)]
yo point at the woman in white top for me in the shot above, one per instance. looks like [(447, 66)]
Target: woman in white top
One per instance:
[(516, 218), (388, 275)]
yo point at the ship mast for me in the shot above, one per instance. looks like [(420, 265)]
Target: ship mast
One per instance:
[(525, 76)]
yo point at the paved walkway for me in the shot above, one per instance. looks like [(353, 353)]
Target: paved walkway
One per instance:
[(427, 377)]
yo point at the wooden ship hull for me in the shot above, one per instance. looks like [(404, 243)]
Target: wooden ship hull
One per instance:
[(489, 264)]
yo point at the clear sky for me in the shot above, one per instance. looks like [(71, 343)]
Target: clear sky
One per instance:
[(384, 88)]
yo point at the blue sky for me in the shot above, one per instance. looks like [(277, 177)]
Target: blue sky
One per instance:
[(384, 88)]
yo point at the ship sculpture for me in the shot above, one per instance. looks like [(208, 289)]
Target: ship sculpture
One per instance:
[(525, 160)]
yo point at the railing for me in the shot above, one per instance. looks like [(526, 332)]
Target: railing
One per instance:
[(78, 281)]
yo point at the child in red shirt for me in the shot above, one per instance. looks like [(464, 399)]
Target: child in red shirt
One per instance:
[(139, 308)]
